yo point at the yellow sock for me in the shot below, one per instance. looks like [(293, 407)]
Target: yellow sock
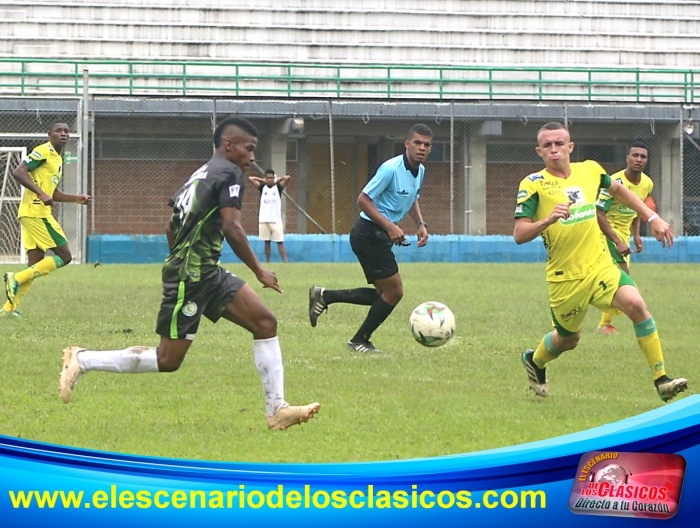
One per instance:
[(41, 268), (21, 292), (649, 342), (606, 319), (545, 352)]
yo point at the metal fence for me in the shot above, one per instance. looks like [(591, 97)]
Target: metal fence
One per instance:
[(472, 173), (140, 150), (198, 78)]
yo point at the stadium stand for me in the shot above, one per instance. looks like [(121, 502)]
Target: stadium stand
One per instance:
[(643, 33)]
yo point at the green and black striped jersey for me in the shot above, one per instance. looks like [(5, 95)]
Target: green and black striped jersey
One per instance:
[(196, 220)]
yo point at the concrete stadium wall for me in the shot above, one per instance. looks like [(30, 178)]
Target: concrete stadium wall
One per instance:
[(140, 249)]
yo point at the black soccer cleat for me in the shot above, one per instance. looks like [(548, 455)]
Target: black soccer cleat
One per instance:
[(535, 375), (316, 304)]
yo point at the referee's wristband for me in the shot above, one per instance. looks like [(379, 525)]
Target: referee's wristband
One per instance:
[(421, 224), (653, 217)]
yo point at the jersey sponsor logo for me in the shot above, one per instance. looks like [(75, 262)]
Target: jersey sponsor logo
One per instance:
[(189, 309), (402, 193), (580, 214), (623, 209), (234, 191), (522, 194), (535, 177), (519, 209), (575, 195), (569, 315)]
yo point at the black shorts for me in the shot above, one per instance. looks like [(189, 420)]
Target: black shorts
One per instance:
[(372, 246), (185, 302)]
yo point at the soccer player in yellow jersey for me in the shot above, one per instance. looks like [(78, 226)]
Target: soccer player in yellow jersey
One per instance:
[(617, 221), (40, 173), (558, 203)]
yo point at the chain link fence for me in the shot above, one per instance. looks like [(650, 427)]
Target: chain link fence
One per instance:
[(141, 150), (691, 181)]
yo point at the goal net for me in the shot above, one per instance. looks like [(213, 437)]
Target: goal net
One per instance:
[(11, 250)]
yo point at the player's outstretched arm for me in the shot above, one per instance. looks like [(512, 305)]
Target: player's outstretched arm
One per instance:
[(660, 229), (60, 196), (235, 236)]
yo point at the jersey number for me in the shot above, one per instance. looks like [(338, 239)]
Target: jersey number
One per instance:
[(186, 199)]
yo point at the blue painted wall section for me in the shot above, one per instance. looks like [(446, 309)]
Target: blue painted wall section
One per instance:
[(140, 249)]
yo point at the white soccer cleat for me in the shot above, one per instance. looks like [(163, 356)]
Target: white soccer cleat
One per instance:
[(70, 373), (668, 388), (292, 415)]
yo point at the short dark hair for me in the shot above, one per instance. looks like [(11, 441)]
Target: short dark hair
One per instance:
[(638, 143), (239, 122), (552, 125), (421, 130), (269, 171), (54, 123)]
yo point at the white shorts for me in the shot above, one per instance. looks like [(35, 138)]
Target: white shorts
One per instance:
[(271, 231)]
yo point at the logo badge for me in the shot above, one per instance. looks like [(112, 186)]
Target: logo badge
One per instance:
[(618, 484), (580, 213), (189, 309), (575, 195), (234, 191)]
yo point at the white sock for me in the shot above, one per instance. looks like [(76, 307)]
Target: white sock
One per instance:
[(131, 360), (268, 359)]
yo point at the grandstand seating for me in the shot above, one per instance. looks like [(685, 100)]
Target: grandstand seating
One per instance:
[(613, 33)]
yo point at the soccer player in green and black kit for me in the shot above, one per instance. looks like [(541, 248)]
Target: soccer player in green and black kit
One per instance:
[(206, 210)]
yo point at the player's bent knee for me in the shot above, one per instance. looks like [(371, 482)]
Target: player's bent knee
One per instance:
[(568, 343), (169, 364), (65, 256), (265, 326), (635, 308), (397, 295)]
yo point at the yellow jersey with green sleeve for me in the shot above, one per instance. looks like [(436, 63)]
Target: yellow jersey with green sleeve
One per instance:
[(574, 246), (46, 169), (620, 217)]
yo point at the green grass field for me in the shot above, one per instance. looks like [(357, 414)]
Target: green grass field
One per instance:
[(410, 401)]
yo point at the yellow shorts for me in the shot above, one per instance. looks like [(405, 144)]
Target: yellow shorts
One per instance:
[(569, 300), (41, 233)]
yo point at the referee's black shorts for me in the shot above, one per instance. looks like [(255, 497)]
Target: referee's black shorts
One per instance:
[(372, 246)]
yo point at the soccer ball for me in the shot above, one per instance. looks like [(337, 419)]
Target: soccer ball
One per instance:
[(432, 324)]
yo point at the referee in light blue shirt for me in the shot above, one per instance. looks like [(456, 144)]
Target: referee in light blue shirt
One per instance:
[(389, 196)]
